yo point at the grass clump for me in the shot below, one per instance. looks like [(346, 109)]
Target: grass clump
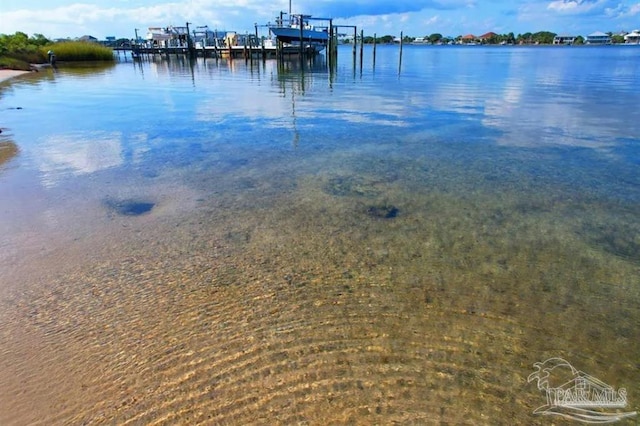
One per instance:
[(76, 51)]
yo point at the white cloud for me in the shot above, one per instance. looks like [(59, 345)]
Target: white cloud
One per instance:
[(634, 10), (625, 12), (575, 6), (432, 20), (119, 18), (84, 18)]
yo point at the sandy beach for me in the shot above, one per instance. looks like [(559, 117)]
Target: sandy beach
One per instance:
[(7, 74)]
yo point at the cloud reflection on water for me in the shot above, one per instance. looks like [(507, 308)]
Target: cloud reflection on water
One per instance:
[(520, 97), (537, 97), (77, 154), (527, 97)]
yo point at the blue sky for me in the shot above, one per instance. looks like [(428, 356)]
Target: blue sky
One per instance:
[(101, 18)]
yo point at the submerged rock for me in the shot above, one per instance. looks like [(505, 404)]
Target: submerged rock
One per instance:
[(383, 211), (130, 207)]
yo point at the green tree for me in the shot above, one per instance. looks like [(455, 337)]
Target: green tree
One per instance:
[(543, 37), (494, 39), (434, 38), (617, 39), (525, 38), (20, 46), (39, 40), (17, 51)]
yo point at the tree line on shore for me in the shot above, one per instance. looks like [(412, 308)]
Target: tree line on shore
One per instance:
[(541, 37)]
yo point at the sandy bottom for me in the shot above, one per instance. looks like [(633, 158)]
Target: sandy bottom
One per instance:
[(317, 299)]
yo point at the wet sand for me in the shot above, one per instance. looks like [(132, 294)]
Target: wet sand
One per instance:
[(9, 74)]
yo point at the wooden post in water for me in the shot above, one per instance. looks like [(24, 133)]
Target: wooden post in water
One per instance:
[(301, 24), (244, 49), (355, 43), (215, 44), (250, 41), (255, 40), (361, 47), (190, 46), (400, 61), (334, 41), (375, 41), (330, 44)]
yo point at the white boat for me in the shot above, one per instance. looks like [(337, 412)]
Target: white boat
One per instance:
[(293, 33), (167, 36), (298, 30), (158, 34)]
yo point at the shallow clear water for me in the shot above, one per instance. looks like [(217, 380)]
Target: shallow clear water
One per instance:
[(225, 242)]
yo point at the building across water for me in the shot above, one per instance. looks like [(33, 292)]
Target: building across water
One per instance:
[(564, 39), (598, 38), (633, 37)]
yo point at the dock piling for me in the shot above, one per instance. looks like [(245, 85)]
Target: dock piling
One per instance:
[(301, 41), (400, 60), (361, 48), (375, 41), (355, 43)]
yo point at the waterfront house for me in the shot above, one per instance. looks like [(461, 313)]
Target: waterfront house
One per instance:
[(486, 38), (468, 39), (564, 39), (633, 37), (598, 38), (88, 39)]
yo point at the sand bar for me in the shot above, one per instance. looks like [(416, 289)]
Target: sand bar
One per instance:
[(7, 74)]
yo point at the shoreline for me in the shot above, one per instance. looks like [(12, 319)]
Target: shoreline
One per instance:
[(9, 74)]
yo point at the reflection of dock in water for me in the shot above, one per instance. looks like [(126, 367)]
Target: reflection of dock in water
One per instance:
[(233, 52)]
